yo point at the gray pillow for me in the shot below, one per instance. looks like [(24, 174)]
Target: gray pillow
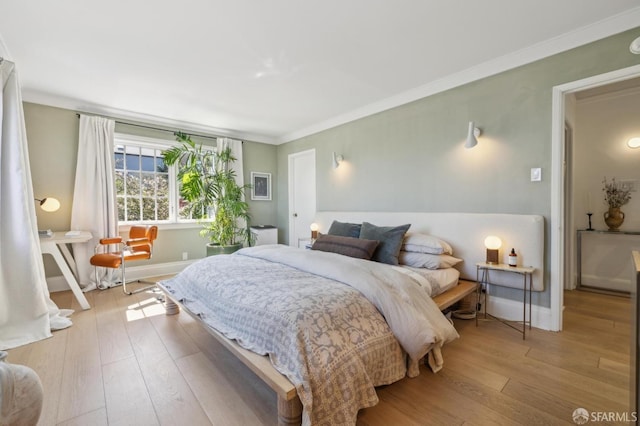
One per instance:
[(347, 246), (390, 238), (344, 229)]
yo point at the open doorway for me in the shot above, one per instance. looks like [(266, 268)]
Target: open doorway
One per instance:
[(562, 231)]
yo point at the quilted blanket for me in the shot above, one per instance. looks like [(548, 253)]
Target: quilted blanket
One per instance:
[(332, 343)]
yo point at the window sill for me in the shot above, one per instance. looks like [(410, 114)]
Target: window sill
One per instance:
[(163, 226)]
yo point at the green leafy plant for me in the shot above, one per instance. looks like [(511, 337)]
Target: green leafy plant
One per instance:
[(615, 194), (208, 184)]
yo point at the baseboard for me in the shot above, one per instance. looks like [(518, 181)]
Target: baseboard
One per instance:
[(512, 310), (58, 283), (607, 283)]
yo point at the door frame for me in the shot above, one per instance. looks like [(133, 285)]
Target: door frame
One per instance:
[(558, 254), (290, 160)]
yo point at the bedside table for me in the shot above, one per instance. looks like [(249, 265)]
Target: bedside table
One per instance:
[(483, 279)]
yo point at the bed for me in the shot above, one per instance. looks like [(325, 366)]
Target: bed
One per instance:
[(325, 371)]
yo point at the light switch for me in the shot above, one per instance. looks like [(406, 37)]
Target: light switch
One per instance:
[(536, 174)]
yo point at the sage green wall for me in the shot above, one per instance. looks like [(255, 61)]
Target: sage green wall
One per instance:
[(52, 135), (411, 158)]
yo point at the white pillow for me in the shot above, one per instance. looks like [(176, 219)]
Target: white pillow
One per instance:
[(424, 243), (427, 260)]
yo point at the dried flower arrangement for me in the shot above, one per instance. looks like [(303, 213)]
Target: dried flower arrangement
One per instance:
[(615, 194)]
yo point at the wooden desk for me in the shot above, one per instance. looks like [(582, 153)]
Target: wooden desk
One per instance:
[(56, 246)]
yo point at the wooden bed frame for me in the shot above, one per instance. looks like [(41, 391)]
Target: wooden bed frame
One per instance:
[(289, 405)]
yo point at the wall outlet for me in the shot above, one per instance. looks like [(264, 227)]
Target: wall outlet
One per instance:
[(185, 255)]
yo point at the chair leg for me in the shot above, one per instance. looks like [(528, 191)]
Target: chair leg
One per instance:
[(124, 283)]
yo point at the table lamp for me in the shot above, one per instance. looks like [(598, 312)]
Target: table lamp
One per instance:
[(493, 244), (314, 231)]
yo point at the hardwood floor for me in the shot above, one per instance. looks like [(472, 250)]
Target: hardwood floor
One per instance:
[(125, 362)]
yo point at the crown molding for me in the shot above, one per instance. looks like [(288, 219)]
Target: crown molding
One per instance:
[(34, 96), (581, 36)]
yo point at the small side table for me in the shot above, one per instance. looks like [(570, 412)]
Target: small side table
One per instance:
[(482, 276)]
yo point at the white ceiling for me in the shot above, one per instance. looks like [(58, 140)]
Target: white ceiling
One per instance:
[(276, 70)]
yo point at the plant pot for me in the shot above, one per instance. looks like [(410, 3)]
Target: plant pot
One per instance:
[(215, 249), (21, 394), (613, 218)]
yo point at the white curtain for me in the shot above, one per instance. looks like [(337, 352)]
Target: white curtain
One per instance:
[(236, 151), (27, 314), (94, 198)]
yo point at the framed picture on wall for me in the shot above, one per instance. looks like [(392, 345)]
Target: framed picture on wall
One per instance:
[(260, 186)]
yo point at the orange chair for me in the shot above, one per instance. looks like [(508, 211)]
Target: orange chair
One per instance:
[(138, 247)]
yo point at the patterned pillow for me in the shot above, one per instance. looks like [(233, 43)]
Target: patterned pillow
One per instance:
[(390, 238), (344, 229), (347, 246)]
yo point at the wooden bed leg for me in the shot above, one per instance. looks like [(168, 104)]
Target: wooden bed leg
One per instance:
[(289, 412), (170, 307)]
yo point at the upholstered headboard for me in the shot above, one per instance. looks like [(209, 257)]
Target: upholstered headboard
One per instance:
[(466, 233)]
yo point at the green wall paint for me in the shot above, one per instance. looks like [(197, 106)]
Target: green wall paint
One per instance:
[(411, 158), (52, 135)]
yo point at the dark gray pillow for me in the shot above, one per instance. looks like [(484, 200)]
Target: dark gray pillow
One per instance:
[(344, 229), (390, 238), (347, 246)]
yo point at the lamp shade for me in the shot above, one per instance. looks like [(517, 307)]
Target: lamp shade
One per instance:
[(471, 136), (492, 242), (633, 143), (337, 159), (49, 204)]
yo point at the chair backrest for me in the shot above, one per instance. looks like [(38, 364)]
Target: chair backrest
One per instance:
[(149, 232)]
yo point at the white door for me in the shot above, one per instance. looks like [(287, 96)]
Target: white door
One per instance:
[(302, 195)]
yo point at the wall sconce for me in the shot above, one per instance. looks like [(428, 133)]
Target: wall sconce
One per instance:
[(493, 244), (49, 204), (473, 133), (633, 143), (337, 159), (314, 231), (634, 47)]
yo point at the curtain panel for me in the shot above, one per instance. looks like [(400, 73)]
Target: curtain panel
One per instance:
[(27, 314), (94, 198)]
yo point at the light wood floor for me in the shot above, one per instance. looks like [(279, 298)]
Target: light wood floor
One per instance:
[(125, 362)]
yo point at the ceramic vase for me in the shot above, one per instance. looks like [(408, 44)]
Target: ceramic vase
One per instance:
[(20, 394), (613, 218)]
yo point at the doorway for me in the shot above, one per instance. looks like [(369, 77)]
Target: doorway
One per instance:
[(560, 260), (302, 195)]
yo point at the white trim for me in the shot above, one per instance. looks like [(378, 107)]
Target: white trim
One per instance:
[(82, 106), (512, 310), (58, 283), (590, 33), (143, 140), (557, 195), (125, 227)]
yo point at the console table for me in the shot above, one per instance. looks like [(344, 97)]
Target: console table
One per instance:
[(579, 235), (56, 246)]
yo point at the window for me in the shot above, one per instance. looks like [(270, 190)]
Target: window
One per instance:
[(146, 188)]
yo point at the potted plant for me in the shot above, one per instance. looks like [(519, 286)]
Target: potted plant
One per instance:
[(209, 186), (616, 195)]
